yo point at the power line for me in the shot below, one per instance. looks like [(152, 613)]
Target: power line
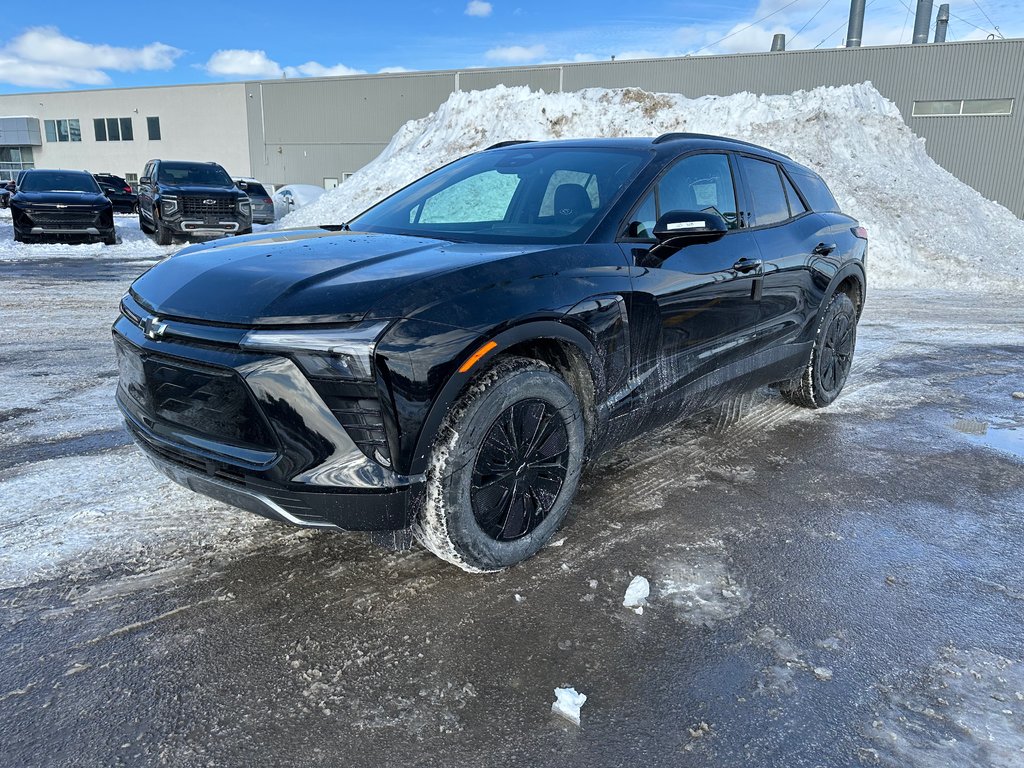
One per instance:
[(978, 6), (905, 20), (972, 24), (822, 8), (744, 29)]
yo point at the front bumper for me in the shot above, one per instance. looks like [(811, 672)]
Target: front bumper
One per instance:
[(249, 429)]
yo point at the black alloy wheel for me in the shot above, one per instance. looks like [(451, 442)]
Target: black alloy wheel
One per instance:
[(837, 353), (520, 470), (831, 357)]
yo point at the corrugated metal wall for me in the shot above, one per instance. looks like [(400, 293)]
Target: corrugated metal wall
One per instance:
[(305, 130)]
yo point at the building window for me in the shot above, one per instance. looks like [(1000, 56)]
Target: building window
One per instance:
[(960, 107), (153, 124), (133, 181), (113, 129), (62, 130), (14, 159)]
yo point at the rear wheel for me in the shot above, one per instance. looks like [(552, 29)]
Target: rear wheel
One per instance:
[(504, 468), (831, 356)]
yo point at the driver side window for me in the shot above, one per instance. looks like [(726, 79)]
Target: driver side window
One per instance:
[(695, 183)]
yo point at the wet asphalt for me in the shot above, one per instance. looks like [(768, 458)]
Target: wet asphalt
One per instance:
[(831, 588)]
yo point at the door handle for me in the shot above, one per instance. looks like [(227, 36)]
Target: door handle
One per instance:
[(747, 265), (821, 249)]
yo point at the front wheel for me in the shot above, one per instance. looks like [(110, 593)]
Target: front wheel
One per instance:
[(164, 236), (504, 467), (831, 356)]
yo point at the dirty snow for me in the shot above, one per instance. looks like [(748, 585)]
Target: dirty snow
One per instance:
[(927, 228), (636, 594), (972, 698), (567, 704)]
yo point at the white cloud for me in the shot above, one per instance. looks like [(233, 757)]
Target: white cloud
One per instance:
[(393, 70), (43, 57), (316, 69), (237, 62), (517, 54), (478, 8)]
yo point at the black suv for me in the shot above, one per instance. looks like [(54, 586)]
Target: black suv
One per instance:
[(61, 206), (179, 198), (449, 361), (118, 191)]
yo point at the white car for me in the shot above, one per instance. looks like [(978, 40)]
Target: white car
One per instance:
[(291, 197)]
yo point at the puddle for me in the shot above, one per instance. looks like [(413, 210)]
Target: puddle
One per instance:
[(1009, 439)]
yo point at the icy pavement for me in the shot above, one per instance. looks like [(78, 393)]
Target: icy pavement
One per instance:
[(839, 587)]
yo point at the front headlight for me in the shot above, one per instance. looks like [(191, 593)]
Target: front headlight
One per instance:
[(245, 206), (168, 205), (338, 352)]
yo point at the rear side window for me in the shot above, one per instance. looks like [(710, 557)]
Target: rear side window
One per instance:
[(768, 199), (796, 206), (816, 193)]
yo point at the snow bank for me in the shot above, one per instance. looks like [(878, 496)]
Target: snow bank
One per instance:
[(927, 228)]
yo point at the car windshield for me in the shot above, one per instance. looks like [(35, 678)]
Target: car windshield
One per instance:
[(59, 181), (194, 174), (521, 194)]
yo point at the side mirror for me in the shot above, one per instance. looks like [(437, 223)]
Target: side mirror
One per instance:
[(680, 228), (145, 180)]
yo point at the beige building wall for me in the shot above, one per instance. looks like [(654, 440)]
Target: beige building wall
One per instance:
[(197, 122)]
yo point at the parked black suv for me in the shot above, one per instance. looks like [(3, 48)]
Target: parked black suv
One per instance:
[(61, 206), (450, 360), (179, 198), (118, 191)]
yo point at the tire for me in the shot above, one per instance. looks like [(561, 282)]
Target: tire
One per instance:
[(831, 356), (146, 229), (479, 512), (19, 238), (110, 239), (163, 234)]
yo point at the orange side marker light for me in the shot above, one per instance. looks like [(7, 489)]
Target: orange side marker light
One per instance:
[(475, 357)]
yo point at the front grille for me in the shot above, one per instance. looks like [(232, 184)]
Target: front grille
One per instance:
[(63, 219), (204, 400), (194, 206), (357, 408)]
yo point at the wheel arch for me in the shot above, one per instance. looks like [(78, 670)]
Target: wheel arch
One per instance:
[(565, 348)]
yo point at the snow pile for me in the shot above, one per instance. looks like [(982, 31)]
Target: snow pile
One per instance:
[(927, 228)]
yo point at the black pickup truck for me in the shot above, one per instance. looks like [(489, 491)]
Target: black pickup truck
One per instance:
[(189, 199)]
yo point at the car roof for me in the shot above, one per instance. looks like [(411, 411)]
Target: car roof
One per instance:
[(667, 143)]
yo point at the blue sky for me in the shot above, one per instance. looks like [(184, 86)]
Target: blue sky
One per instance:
[(70, 45)]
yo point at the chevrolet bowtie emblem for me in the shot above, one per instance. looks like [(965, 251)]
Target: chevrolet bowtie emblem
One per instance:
[(153, 328), (209, 202)]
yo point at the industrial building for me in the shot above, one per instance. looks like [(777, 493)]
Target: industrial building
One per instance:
[(963, 98)]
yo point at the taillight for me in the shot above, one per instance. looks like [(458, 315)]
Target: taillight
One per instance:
[(860, 232), (268, 201), (128, 190)]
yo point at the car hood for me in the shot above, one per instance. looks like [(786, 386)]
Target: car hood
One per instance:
[(75, 199), (198, 189), (300, 276)]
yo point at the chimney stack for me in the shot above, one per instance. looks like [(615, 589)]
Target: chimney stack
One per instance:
[(941, 23), (922, 21), (779, 42), (856, 28)]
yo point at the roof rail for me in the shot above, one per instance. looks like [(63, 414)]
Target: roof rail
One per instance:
[(666, 137), (501, 144)]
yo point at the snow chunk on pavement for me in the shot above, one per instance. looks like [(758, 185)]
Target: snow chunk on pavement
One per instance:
[(898, 196), (637, 593), (567, 704)]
